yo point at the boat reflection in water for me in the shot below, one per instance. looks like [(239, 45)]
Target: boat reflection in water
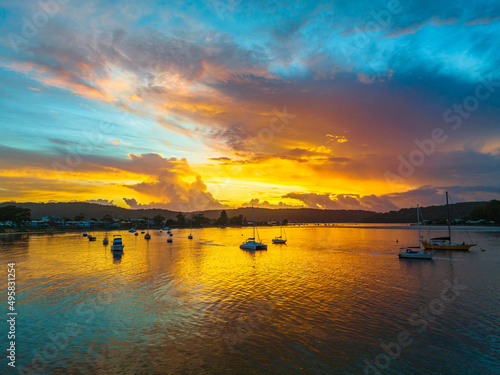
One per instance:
[(117, 256), (208, 307)]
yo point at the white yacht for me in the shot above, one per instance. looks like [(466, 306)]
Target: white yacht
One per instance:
[(414, 252)]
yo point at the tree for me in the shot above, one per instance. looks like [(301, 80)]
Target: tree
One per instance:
[(80, 217), (223, 219), (17, 215), (199, 220), (108, 218), (159, 219), (181, 219), (236, 220), (490, 212)]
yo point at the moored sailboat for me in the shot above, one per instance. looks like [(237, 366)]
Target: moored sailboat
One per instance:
[(445, 243), (414, 252), (251, 243), (280, 239), (105, 241), (147, 236)]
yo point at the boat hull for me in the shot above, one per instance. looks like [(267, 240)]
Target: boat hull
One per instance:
[(253, 247), (416, 255), (279, 241), (463, 247), (117, 247)]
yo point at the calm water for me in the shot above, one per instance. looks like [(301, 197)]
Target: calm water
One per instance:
[(322, 304)]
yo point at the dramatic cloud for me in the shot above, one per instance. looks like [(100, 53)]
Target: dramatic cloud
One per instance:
[(172, 183), (310, 106), (103, 202), (265, 204), (344, 202)]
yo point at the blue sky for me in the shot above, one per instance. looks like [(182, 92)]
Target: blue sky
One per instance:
[(191, 85)]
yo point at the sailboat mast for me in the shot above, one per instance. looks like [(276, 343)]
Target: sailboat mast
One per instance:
[(253, 214), (448, 214), (418, 224)]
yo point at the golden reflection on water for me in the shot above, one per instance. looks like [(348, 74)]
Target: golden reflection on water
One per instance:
[(328, 296)]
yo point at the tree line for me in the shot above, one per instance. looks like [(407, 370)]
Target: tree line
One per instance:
[(16, 215), (22, 216), (490, 212)]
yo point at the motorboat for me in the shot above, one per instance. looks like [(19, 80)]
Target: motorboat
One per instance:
[(117, 243)]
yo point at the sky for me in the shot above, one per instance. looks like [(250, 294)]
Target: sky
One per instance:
[(194, 105)]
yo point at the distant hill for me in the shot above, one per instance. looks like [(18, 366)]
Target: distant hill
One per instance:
[(93, 210), (301, 215), (432, 213), (90, 210)]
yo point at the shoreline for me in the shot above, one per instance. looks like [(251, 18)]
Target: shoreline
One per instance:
[(328, 225)]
